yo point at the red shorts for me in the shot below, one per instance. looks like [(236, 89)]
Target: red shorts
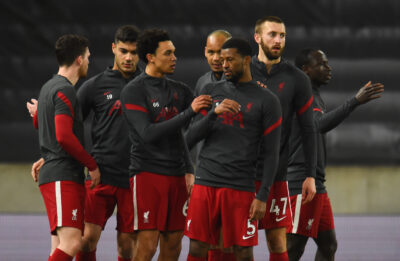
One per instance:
[(211, 208), (278, 212), (313, 217), (159, 201), (64, 201), (100, 204)]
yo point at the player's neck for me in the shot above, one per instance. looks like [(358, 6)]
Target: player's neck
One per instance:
[(268, 62), (218, 75), (246, 77), (151, 71), (71, 73)]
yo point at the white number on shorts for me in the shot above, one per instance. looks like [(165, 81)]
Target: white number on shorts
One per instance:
[(275, 208), (251, 229), (185, 207)]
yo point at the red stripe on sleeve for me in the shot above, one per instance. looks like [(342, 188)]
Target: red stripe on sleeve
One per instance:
[(66, 101), (203, 112), (70, 143), (305, 107), (317, 109), (35, 121), (134, 107), (273, 126)]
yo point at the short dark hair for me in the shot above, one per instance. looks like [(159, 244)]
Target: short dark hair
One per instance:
[(148, 40), (126, 33), (242, 46), (68, 47), (269, 18), (304, 57)]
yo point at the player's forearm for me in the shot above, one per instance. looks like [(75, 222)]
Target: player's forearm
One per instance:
[(70, 143), (151, 132), (188, 161), (200, 127), (35, 121), (309, 141), (325, 122), (271, 144)]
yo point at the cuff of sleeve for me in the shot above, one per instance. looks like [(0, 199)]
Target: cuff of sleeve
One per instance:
[(92, 165), (262, 195), (354, 102), (311, 173), (212, 116)]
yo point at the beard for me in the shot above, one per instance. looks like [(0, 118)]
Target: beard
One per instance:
[(270, 55), (82, 72), (235, 77)]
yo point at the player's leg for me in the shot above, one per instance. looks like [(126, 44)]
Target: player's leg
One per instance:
[(295, 246), (147, 241), (70, 243), (125, 245), (277, 219), (326, 238), (327, 245), (54, 243), (243, 253), (170, 245), (126, 236), (238, 231), (99, 206), (203, 221), (198, 250)]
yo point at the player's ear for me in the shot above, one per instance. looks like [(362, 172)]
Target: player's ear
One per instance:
[(149, 57), (205, 52), (113, 47), (79, 60), (247, 59), (257, 38)]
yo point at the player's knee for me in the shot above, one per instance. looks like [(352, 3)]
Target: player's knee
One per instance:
[(89, 242), (330, 249), (125, 245), (75, 245), (277, 243), (198, 248), (243, 253)]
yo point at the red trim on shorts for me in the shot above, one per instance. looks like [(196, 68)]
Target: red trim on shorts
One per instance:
[(66, 101), (305, 107), (273, 126), (134, 107)]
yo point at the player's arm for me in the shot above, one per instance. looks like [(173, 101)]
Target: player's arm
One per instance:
[(203, 122), (271, 143), (327, 121), (84, 96), (137, 114), (64, 102), (304, 111)]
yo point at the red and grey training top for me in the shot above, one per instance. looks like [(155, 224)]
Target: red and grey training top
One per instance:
[(293, 89), (229, 155), (156, 110), (61, 133), (109, 131), (324, 122)]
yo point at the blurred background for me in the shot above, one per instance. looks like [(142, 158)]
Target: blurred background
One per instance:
[(360, 37)]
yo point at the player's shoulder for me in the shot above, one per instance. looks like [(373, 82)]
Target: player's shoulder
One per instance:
[(294, 71), (91, 82), (178, 85)]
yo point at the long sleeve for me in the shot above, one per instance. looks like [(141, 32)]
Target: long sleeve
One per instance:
[(325, 122), (137, 114), (70, 143), (304, 100), (271, 144)]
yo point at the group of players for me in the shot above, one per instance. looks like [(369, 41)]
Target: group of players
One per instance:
[(256, 124)]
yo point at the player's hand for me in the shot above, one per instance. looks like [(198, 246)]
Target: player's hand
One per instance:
[(227, 105), (262, 84), (369, 91), (36, 168), (95, 177), (308, 190), (32, 107), (201, 102), (257, 209), (189, 177)]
